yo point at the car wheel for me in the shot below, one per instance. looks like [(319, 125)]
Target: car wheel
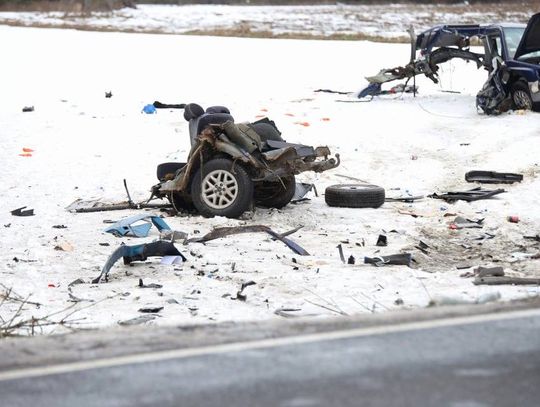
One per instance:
[(354, 196), (275, 194), (521, 96), (222, 188), (167, 171)]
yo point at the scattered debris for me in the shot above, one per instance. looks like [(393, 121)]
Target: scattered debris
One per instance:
[(218, 233), (351, 260), (506, 280), (173, 235), (492, 177), (474, 194), (240, 296), (149, 109), (28, 109), (536, 238), (159, 105), (150, 310), (143, 319), (59, 227), (405, 198), (151, 285), (137, 253), (513, 219), (108, 94), (341, 255), (22, 212), (462, 223), (382, 241), (403, 259), (301, 190), (128, 226), (422, 247), (287, 312)]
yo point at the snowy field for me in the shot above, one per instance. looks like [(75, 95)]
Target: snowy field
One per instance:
[(374, 21), (84, 145)]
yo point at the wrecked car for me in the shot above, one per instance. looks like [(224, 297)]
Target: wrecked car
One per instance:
[(232, 166), (511, 55)]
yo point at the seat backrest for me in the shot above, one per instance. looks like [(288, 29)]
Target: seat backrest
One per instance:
[(197, 125), (199, 119)]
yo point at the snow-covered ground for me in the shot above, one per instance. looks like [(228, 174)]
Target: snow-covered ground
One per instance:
[(84, 145), (389, 21)]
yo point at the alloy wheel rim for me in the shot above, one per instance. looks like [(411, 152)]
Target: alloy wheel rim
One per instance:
[(219, 189), (522, 100)]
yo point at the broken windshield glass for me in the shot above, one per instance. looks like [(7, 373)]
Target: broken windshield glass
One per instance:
[(513, 37)]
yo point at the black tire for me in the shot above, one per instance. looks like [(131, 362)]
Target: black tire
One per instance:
[(228, 189), (267, 132), (275, 194), (167, 171), (181, 202), (521, 96), (354, 196)]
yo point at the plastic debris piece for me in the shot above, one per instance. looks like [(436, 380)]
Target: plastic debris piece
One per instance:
[(403, 259), (22, 212), (149, 109), (492, 177), (150, 310), (28, 109), (513, 219), (341, 256), (137, 253), (382, 241), (127, 227)]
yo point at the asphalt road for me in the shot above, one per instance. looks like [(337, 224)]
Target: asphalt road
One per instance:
[(464, 362)]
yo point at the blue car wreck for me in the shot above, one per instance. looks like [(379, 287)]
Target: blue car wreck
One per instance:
[(511, 55)]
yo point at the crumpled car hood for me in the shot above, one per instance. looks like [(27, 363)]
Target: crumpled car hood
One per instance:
[(530, 42)]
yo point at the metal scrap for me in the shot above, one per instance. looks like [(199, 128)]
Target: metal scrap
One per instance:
[(218, 233)]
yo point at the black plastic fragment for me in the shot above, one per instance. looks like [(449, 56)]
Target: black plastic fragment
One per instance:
[(492, 177), (403, 259), (474, 194), (22, 212)]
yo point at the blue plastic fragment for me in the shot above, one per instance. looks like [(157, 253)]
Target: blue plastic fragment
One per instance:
[(125, 227), (149, 109)]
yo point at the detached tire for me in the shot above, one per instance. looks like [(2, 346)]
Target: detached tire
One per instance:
[(521, 96), (354, 196), (273, 194), (222, 188)]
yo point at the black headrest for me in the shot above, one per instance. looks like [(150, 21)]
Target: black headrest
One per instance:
[(192, 111), (218, 109)]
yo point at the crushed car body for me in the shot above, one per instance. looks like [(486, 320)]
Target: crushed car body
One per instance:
[(232, 166), (511, 55)]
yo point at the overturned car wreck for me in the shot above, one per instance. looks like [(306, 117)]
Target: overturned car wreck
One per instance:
[(232, 166), (511, 56)]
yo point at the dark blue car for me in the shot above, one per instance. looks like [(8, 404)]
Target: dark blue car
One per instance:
[(511, 56)]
